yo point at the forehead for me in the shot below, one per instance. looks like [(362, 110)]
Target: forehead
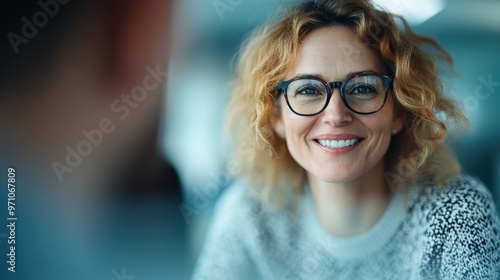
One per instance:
[(333, 53)]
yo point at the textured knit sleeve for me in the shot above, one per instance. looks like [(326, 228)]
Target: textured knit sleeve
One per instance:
[(464, 237), (225, 254)]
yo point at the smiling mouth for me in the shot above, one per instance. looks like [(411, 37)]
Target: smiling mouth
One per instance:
[(338, 143)]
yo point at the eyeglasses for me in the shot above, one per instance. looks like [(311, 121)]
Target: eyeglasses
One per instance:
[(363, 93)]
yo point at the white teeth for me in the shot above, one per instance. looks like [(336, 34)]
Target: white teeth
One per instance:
[(338, 143)]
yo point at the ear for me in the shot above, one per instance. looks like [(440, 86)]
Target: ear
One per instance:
[(139, 37)]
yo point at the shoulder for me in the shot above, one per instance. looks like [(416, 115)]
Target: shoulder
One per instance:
[(240, 211), (240, 206), (461, 226), (460, 196), (460, 204), (227, 250), (237, 201), (235, 207)]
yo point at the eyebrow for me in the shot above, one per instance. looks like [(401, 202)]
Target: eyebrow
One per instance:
[(319, 76)]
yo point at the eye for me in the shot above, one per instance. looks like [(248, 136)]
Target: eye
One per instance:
[(362, 89), (308, 90)]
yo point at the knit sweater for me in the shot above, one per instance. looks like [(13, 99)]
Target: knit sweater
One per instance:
[(430, 232)]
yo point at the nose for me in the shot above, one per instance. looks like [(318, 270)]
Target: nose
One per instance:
[(336, 112)]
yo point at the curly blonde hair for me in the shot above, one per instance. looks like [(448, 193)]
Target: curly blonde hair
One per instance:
[(268, 55)]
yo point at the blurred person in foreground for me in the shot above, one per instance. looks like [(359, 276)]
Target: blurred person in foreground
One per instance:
[(338, 114), (81, 90)]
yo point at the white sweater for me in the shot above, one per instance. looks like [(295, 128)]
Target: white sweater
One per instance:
[(452, 232)]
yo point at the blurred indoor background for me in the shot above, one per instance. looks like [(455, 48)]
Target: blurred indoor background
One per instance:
[(210, 34)]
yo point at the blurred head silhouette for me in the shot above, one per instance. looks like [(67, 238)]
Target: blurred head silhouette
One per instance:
[(81, 86), (81, 90)]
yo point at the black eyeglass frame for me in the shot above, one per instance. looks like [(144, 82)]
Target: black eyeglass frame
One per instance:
[(283, 85)]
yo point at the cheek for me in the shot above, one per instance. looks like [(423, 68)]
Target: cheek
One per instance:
[(296, 126), (381, 123), (380, 126), (297, 130)]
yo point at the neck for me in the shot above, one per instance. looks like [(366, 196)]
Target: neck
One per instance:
[(351, 208)]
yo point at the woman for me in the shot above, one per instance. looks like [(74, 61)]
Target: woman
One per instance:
[(338, 114)]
